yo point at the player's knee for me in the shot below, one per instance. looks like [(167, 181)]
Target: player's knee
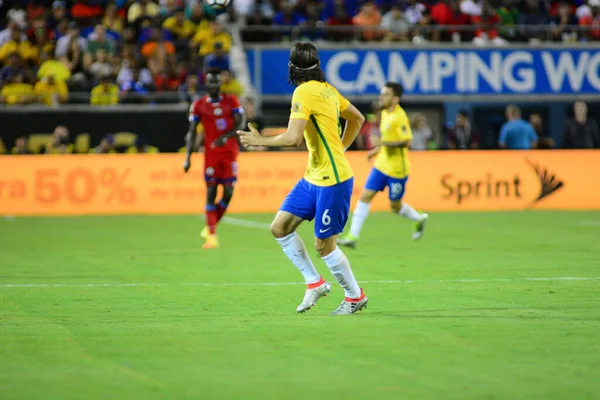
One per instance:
[(279, 230), (325, 246), (366, 196), (396, 206)]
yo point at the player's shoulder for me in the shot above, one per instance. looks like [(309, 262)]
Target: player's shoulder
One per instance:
[(399, 112), (230, 98)]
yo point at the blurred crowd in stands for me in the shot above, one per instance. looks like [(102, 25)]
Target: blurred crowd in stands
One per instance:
[(120, 50), (484, 22), (115, 50)]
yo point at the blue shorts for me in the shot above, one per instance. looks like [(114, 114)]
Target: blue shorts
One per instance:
[(377, 182), (329, 204)]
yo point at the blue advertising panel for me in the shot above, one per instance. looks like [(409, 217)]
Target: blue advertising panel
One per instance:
[(428, 72)]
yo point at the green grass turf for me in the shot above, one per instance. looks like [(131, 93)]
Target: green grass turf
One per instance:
[(432, 338)]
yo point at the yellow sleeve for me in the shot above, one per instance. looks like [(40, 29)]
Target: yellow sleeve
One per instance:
[(404, 130), (38, 88), (344, 103), (301, 107)]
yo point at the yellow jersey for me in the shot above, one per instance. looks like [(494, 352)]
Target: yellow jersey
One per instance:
[(394, 127), (321, 104), (105, 96), (46, 93)]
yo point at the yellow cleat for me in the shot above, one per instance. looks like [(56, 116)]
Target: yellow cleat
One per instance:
[(205, 233), (211, 242)]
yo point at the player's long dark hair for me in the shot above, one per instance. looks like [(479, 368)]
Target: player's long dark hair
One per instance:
[(304, 64)]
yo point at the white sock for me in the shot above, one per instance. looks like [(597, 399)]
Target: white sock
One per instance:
[(295, 250), (410, 213), (339, 266), (361, 212)]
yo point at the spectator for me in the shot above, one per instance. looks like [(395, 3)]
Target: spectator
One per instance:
[(159, 52), (229, 84), (59, 13), (544, 140), (288, 15), (53, 67), (51, 91), (581, 132), (180, 28), (219, 59), (112, 21), (142, 8), (16, 91), (487, 34), (516, 134), (422, 135), (534, 15), (583, 10), (141, 146), (463, 135), (61, 29), (340, 18), (561, 23), (134, 77), (369, 19), (592, 20), (13, 67), (394, 25), (414, 12), (73, 60), (41, 41), (60, 143), (17, 15), (205, 39), (190, 90), (99, 40), (447, 12), (21, 146), (7, 34), (105, 94), (19, 45), (101, 67), (106, 146), (63, 45), (471, 8), (313, 26)]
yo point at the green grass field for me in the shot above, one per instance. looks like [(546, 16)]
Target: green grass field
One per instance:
[(132, 308)]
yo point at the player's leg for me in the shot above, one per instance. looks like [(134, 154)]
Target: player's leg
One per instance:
[(211, 216), (225, 199), (397, 188), (229, 173), (333, 206), (299, 205), (376, 182)]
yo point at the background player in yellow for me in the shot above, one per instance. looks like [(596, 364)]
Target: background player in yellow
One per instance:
[(325, 191), (391, 168)]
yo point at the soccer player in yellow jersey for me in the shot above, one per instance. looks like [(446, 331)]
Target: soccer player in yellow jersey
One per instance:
[(325, 191), (391, 168)]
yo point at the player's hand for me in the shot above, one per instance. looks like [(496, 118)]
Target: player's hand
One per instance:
[(186, 165), (218, 142), (251, 138), (372, 153)]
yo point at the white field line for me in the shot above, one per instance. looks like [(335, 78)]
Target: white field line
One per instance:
[(150, 284), (589, 223)]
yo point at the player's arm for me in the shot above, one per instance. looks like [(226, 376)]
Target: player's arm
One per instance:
[(405, 139), (190, 140), (354, 121), (292, 137), (237, 124)]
